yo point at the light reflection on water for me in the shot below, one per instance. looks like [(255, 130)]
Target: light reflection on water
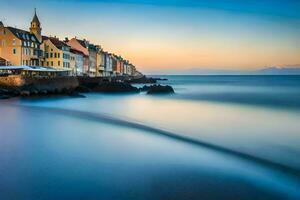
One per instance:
[(42, 152)]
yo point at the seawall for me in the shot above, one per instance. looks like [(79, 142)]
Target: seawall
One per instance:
[(39, 83)]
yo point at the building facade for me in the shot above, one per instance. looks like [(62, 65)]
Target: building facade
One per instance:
[(80, 45), (57, 53), (19, 47), (77, 59)]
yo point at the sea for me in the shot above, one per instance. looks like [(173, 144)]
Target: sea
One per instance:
[(217, 137)]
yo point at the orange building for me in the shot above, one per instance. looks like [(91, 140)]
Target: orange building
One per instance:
[(20, 47)]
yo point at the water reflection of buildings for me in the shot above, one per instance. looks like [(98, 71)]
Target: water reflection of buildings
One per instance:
[(30, 48)]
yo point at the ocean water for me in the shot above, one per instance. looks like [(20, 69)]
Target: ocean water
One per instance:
[(217, 137)]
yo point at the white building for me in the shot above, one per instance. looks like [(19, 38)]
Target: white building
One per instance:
[(77, 60)]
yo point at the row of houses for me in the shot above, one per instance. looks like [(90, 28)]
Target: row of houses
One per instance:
[(83, 58)]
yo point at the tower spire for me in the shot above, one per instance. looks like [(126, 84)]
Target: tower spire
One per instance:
[(35, 26)]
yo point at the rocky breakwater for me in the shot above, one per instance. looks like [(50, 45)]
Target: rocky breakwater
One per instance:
[(141, 80), (11, 86), (158, 89), (104, 85)]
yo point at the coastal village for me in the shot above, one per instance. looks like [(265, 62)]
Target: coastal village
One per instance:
[(35, 64), (40, 54)]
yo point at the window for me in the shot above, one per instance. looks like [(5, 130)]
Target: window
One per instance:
[(51, 55), (58, 55), (47, 63), (55, 55), (52, 63), (14, 51), (14, 42), (47, 55), (58, 63), (27, 62)]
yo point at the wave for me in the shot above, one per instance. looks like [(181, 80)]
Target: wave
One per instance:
[(98, 117)]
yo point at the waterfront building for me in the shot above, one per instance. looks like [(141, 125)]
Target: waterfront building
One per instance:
[(114, 64), (77, 59), (57, 53), (126, 69), (99, 61), (90, 54), (29, 48), (92, 70), (19, 47), (109, 64)]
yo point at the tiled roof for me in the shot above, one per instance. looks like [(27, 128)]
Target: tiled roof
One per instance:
[(23, 35), (45, 37), (59, 44), (76, 51), (82, 43)]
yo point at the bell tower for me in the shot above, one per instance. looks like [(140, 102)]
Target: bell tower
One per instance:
[(35, 27)]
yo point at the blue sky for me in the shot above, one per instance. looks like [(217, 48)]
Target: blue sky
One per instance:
[(163, 35)]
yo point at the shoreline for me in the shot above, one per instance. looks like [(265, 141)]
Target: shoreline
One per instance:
[(17, 85)]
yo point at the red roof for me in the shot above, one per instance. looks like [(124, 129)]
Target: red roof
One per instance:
[(75, 51)]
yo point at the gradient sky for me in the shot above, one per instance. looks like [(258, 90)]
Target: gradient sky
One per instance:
[(171, 35)]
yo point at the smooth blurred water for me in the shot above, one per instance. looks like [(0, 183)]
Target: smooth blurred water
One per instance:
[(220, 137)]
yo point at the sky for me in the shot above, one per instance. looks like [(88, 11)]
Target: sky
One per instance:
[(165, 35)]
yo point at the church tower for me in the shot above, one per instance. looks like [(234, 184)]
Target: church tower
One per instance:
[(35, 27)]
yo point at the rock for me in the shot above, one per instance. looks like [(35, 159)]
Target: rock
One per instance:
[(115, 87), (145, 88), (2, 96), (4, 91), (34, 92), (82, 89), (25, 93), (160, 89), (76, 95), (161, 79), (43, 92), (143, 79)]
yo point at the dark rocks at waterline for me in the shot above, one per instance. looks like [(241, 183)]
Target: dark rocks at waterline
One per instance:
[(6, 93), (141, 80), (76, 95), (83, 89), (157, 89), (160, 79), (3, 96), (115, 87)]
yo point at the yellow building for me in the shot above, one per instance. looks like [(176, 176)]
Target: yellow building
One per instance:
[(57, 53), (20, 47)]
